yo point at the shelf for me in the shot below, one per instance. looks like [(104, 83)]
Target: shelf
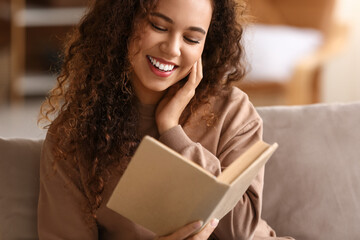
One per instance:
[(37, 28), (4, 11), (37, 84), (42, 17)]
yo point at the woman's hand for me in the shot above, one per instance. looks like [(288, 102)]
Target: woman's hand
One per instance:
[(188, 230), (174, 102)]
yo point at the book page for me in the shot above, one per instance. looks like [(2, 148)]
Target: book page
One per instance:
[(242, 162), (242, 182)]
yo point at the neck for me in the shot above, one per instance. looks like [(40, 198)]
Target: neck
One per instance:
[(149, 98), (146, 96)]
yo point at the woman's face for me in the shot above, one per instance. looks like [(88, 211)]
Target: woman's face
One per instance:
[(171, 42)]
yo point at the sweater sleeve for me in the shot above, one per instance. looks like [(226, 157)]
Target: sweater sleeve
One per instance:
[(61, 206), (240, 128)]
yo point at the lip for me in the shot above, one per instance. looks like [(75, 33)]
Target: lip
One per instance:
[(162, 60), (158, 72)]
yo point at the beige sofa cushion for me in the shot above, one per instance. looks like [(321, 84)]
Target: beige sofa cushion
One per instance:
[(19, 184), (312, 183)]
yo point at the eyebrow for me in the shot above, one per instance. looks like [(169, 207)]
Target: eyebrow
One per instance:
[(169, 20)]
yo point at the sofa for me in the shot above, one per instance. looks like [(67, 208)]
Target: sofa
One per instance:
[(312, 182)]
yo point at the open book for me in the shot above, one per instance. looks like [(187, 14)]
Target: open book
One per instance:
[(163, 191)]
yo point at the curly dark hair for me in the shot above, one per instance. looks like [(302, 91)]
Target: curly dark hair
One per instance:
[(91, 112)]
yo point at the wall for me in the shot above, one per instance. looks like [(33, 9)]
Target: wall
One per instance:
[(342, 73)]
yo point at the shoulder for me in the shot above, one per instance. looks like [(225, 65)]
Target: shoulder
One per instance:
[(235, 93), (229, 112), (234, 123), (56, 148), (234, 105), (235, 96)]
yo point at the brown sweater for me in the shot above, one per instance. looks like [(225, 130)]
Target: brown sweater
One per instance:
[(61, 213)]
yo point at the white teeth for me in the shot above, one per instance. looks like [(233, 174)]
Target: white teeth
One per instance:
[(161, 66)]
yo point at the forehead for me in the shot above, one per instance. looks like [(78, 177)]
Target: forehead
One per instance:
[(187, 12)]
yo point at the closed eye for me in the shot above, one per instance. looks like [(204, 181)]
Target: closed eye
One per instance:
[(158, 28), (161, 29), (191, 41)]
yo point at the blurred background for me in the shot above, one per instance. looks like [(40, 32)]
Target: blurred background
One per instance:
[(299, 52)]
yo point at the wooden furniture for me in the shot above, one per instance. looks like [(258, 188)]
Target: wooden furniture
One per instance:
[(37, 31), (304, 84), (4, 48)]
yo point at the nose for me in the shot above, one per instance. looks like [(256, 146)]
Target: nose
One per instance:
[(171, 46)]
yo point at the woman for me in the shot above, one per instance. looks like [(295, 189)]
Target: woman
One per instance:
[(134, 68)]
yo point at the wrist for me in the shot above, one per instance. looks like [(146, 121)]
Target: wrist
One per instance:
[(163, 127)]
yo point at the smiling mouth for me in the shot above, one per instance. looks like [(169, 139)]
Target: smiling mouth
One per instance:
[(161, 66)]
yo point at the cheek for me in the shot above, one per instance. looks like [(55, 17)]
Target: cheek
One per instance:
[(141, 42), (149, 39), (192, 56), (134, 49), (189, 59)]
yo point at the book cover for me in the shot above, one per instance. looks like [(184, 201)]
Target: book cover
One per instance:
[(163, 191)]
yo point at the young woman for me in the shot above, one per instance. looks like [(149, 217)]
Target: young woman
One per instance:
[(134, 68)]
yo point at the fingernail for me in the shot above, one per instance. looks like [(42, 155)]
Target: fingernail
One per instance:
[(198, 224), (214, 222)]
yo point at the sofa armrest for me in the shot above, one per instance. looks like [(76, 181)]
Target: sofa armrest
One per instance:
[(19, 188)]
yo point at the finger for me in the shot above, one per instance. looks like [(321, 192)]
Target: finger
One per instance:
[(207, 230), (193, 73), (193, 80), (186, 231), (179, 98), (199, 71)]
